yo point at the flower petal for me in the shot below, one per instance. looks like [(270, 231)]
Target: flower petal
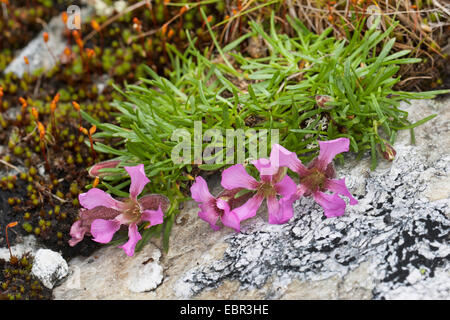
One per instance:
[(103, 230), (153, 202), (96, 198), (138, 179), (209, 214), (282, 157), (133, 238), (77, 233), (200, 192), (153, 216), (332, 204), (223, 205), (329, 150), (280, 211), (265, 168), (301, 190), (249, 209), (286, 187), (231, 220), (338, 186), (236, 177)]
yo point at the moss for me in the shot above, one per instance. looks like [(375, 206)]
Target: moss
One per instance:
[(27, 227)]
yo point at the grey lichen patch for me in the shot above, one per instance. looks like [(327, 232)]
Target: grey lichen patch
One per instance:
[(394, 227)]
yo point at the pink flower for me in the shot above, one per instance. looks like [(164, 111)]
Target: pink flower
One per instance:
[(105, 215), (273, 183), (319, 176), (217, 208)]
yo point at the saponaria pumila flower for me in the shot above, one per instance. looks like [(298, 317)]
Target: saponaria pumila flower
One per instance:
[(274, 186), (318, 176), (279, 190), (102, 215), (217, 208)]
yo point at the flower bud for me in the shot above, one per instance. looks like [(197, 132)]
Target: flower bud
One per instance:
[(94, 170), (389, 153), (321, 100)]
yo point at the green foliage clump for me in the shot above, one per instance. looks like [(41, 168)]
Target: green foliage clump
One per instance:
[(279, 90)]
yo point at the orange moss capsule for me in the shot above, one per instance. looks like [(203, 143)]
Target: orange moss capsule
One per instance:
[(12, 224), (183, 9), (75, 34), (164, 29), (80, 43), (90, 53), (92, 129), (41, 129), (23, 102), (95, 183), (56, 97), (137, 24), (35, 113), (1, 92), (84, 130), (95, 25), (45, 35), (27, 62), (67, 51), (76, 106), (170, 33), (64, 17)]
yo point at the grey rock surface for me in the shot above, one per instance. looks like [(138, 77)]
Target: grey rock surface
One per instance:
[(41, 54), (111, 274), (23, 245), (147, 273), (393, 245), (49, 267)]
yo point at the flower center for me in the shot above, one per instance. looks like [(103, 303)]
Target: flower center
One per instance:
[(266, 189), (314, 181), (132, 211)]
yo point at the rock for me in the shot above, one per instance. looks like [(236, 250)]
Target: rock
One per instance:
[(28, 244), (393, 244), (122, 277), (38, 52), (49, 267), (146, 274)]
